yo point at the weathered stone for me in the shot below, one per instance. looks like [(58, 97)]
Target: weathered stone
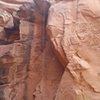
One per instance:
[(73, 26), (62, 64), (14, 61), (2, 34)]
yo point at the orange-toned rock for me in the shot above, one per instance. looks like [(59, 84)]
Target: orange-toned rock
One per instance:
[(14, 61), (62, 64), (45, 71), (73, 26)]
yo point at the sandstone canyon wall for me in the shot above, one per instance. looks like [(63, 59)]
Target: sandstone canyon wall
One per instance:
[(55, 54), (73, 30)]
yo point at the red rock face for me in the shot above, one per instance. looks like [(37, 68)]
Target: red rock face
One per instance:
[(29, 68), (24, 0), (14, 60), (75, 30), (57, 63)]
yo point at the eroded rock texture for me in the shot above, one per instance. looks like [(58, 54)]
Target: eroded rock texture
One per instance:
[(57, 63), (37, 69), (74, 28), (14, 60), (45, 70)]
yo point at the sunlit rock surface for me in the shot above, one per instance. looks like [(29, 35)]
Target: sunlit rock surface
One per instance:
[(73, 28)]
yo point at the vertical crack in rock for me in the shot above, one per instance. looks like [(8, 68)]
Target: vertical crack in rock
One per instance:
[(50, 52)]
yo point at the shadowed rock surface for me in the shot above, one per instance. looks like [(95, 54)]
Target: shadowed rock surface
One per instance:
[(35, 73)]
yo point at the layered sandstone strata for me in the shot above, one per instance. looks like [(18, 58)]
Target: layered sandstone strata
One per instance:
[(14, 61)]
